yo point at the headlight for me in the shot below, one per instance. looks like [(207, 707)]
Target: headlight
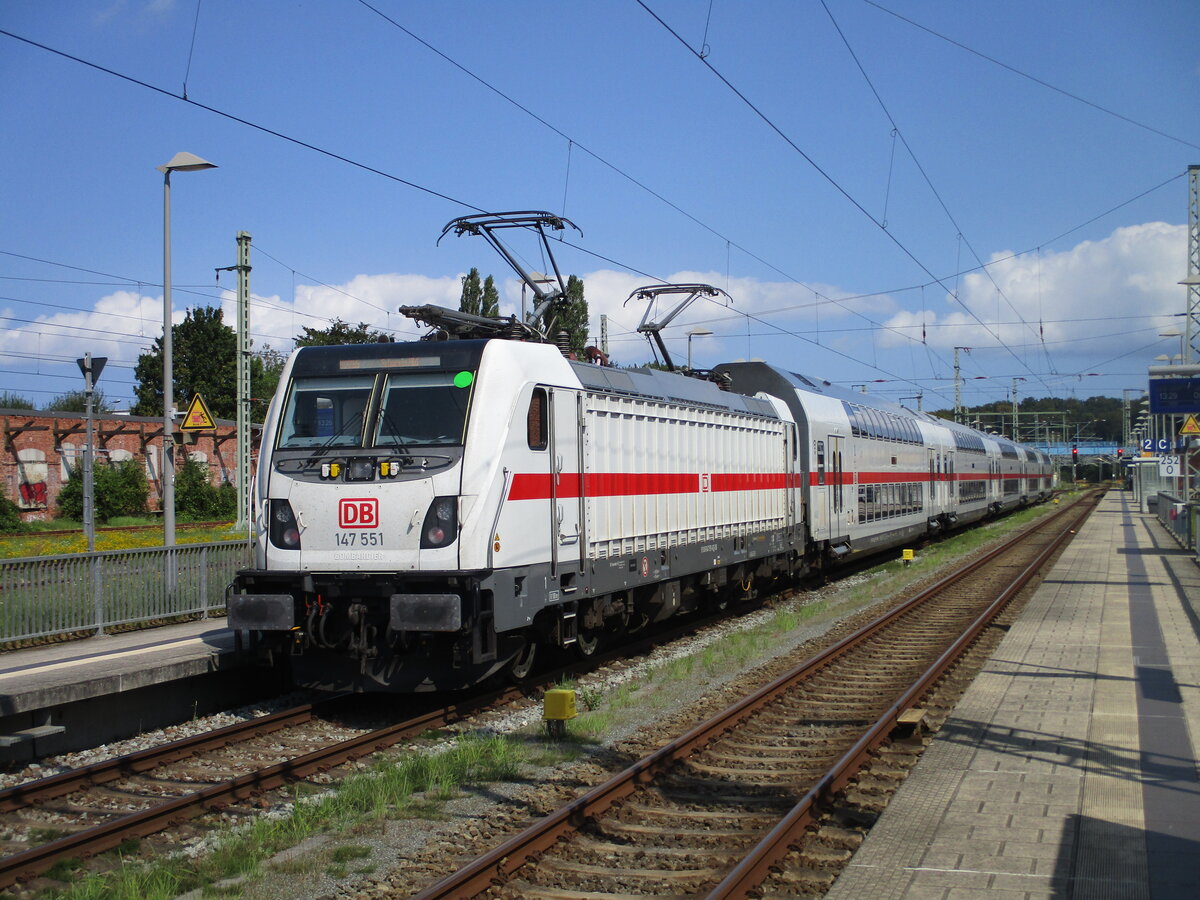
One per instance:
[(441, 523), (284, 532)]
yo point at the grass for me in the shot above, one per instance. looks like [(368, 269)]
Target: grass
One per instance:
[(41, 544)]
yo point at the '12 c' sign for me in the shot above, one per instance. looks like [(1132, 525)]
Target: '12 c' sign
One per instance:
[(358, 512)]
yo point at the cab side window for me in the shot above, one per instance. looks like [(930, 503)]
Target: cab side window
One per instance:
[(536, 420)]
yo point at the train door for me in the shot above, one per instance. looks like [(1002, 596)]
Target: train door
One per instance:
[(818, 505), (933, 502), (795, 495), (837, 501), (950, 479), (566, 484)]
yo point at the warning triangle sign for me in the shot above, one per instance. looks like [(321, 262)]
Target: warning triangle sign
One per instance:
[(198, 418), (1190, 426)]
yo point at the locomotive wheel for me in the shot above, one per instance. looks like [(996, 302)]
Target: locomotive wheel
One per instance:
[(522, 665), (588, 642)]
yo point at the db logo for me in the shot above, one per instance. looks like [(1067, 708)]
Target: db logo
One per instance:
[(358, 512)]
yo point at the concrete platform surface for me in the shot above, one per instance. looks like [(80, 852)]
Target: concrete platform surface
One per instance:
[(78, 670), (72, 695), (1069, 769)]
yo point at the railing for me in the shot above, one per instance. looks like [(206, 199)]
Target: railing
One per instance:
[(1176, 517), (49, 595)]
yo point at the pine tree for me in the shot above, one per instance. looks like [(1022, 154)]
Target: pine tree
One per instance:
[(572, 316), (490, 305), (472, 293)]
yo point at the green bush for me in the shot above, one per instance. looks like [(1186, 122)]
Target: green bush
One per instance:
[(10, 516), (120, 490), (198, 499), (70, 498)]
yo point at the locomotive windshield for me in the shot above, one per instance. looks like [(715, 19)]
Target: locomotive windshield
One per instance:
[(326, 412), (413, 409), (421, 409)]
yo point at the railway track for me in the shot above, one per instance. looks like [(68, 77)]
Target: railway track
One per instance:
[(102, 805), (85, 811), (712, 812)]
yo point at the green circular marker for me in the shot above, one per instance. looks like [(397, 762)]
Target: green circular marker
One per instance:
[(463, 380)]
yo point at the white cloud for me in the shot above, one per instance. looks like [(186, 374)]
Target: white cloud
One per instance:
[(1101, 292), (120, 326)]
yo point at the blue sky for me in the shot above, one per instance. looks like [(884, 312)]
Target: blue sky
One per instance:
[(878, 155)]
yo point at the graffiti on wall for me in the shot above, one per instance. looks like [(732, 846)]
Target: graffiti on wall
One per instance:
[(32, 492)]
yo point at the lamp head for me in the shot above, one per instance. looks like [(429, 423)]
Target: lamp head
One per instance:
[(185, 162)]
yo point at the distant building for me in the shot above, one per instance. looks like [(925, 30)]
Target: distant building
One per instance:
[(42, 450)]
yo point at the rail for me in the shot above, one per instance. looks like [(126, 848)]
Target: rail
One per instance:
[(47, 596)]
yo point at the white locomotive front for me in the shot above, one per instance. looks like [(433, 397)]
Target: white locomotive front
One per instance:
[(431, 513)]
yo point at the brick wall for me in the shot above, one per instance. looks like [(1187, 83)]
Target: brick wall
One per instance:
[(41, 451)]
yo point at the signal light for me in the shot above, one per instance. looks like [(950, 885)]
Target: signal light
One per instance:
[(1120, 452)]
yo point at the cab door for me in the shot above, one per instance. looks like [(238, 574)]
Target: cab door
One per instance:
[(566, 482)]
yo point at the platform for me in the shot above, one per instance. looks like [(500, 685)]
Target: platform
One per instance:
[(75, 694), (1069, 768)]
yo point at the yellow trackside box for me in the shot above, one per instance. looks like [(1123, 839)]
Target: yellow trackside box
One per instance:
[(558, 705), (907, 556)]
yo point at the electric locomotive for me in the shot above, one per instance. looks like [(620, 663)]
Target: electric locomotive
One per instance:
[(431, 513)]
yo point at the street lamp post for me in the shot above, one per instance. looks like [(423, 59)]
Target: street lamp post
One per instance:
[(91, 367), (180, 162), (695, 332), (1175, 332)]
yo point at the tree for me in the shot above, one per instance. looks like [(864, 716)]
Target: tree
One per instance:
[(490, 304), (9, 400), (263, 386), (1096, 418), (571, 316), (471, 299), (76, 401), (204, 361), (340, 332)]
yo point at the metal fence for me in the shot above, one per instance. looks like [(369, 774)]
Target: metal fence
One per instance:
[(48, 595), (1176, 516)]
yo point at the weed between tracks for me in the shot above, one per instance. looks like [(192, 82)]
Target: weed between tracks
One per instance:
[(411, 784), (392, 787)]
